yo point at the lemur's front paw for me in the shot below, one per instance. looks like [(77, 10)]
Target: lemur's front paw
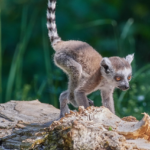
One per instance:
[(91, 103)]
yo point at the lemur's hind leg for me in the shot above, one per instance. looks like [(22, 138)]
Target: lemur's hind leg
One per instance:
[(74, 71), (71, 87), (63, 99), (81, 98)]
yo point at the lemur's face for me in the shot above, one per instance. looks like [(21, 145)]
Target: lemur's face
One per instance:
[(117, 71), (122, 78)]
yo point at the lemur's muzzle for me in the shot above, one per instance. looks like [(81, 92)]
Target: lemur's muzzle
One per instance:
[(123, 87)]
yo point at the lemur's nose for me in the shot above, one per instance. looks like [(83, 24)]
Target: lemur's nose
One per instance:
[(126, 87)]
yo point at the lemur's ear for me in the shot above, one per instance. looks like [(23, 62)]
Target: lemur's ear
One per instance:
[(129, 58), (106, 64)]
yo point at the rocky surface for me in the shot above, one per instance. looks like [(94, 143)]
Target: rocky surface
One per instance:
[(33, 125), (24, 122), (98, 129)]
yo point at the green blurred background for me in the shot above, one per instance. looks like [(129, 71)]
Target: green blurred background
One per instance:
[(112, 27)]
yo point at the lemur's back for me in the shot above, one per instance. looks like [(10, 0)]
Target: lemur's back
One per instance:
[(82, 53)]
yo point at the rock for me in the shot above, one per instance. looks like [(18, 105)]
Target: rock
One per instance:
[(35, 126), (24, 122), (97, 129)]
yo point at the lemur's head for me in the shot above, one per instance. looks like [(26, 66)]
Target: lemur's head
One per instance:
[(117, 71)]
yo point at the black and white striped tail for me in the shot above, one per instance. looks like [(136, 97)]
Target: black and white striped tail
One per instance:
[(51, 25)]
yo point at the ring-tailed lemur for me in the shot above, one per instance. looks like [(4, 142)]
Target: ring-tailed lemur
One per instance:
[(86, 68)]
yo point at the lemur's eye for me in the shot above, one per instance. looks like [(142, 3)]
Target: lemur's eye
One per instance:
[(129, 77), (117, 78)]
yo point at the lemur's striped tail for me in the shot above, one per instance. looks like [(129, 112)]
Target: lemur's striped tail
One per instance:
[(51, 25)]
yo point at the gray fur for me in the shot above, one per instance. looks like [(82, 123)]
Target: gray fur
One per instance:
[(87, 72), (63, 103), (107, 98)]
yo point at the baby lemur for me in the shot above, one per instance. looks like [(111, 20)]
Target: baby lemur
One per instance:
[(86, 69)]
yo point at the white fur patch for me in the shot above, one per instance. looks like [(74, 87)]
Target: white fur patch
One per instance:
[(50, 15), (52, 25), (129, 58), (51, 5), (125, 72), (48, 25), (54, 34)]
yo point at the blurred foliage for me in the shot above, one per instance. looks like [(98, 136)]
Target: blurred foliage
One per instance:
[(112, 27)]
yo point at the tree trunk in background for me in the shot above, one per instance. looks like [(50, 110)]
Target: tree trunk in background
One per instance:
[(30, 125)]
